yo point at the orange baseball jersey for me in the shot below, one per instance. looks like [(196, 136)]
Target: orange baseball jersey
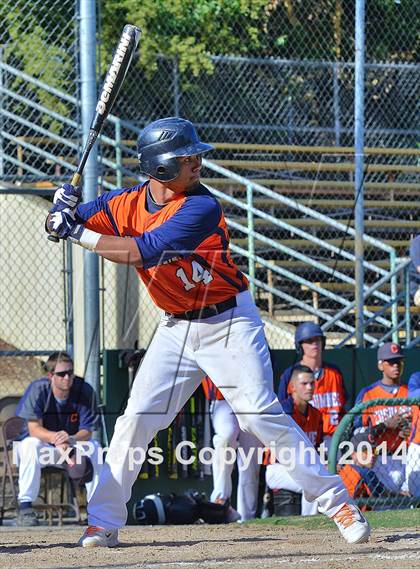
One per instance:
[(210, 390), (415, 430), (183, 244), (329, 394), (377, 414), (311, 424)]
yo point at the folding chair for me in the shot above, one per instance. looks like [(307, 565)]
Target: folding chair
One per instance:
[(9, 431)]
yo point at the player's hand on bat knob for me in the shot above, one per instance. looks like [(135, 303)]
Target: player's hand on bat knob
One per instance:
[(67, 196), (61, 223)]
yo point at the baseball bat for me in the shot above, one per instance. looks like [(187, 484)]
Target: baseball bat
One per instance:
[(114, 79)]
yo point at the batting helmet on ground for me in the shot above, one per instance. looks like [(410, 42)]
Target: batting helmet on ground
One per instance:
[(304, 332), (160, 144), (155, 509), (150, 510)]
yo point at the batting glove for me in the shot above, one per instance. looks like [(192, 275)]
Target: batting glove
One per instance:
[(61, 223), (67, 196)]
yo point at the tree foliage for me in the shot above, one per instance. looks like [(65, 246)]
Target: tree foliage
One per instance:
[(192, 30), (29, 35)]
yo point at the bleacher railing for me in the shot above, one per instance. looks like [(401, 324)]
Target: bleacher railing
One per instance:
[(62, 153)]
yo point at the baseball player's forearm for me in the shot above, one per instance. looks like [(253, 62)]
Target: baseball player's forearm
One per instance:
[(83, 435), (122, 250)]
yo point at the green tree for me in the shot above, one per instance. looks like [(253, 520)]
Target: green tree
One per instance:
[(191, 30), (38, 39)]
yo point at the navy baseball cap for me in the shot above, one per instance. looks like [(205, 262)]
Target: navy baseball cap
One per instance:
[(390, 351)]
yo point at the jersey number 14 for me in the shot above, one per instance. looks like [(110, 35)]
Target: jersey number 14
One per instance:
[(199, 275)]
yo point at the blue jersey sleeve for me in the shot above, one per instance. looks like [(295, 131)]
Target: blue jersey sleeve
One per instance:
[(31, 405), (414, 384), (358, 423), (196, 219)]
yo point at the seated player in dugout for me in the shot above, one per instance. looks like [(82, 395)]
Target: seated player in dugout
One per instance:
[(173, 231), (329, 394), (310, 420), (60, 412), (389, 424), (359, 476), (228, 434)]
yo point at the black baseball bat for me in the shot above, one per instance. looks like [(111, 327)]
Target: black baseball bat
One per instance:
[(114, 79)]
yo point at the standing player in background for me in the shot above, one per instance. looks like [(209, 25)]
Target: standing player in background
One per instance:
[(228, 434), (414, 384), (329, 394), (414, 270), (309, 419), (172, 230), (390, 424)]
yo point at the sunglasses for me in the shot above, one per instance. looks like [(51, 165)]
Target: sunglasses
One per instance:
[(64, 373)]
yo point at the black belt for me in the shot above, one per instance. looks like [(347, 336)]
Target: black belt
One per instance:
[(206, 311)]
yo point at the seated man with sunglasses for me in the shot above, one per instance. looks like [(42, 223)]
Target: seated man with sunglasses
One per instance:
[(60, 413)]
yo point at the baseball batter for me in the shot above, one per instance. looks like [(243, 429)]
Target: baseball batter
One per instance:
[(172, 230)]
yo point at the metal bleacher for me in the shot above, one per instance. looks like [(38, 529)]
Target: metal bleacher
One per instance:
[(289, 211)]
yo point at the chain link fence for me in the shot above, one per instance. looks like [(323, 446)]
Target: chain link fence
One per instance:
[(37, 42), (33, 292), (282, 93), (267, 73), (376, 451)]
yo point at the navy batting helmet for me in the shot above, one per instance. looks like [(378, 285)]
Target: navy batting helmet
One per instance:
[(160, 144), (155, 509), (305, 331), (150, 510)]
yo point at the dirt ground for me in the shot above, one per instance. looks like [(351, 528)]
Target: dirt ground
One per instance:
[(206, 547)]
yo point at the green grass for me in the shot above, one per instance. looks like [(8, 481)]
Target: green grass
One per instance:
[(385, 519)]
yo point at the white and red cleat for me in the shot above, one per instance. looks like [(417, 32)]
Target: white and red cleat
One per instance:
[(96, 536)]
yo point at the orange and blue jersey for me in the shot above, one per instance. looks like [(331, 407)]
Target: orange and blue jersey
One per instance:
[(329, 395), (183, 244), (210, 390), (361, 481), (376, 415)]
